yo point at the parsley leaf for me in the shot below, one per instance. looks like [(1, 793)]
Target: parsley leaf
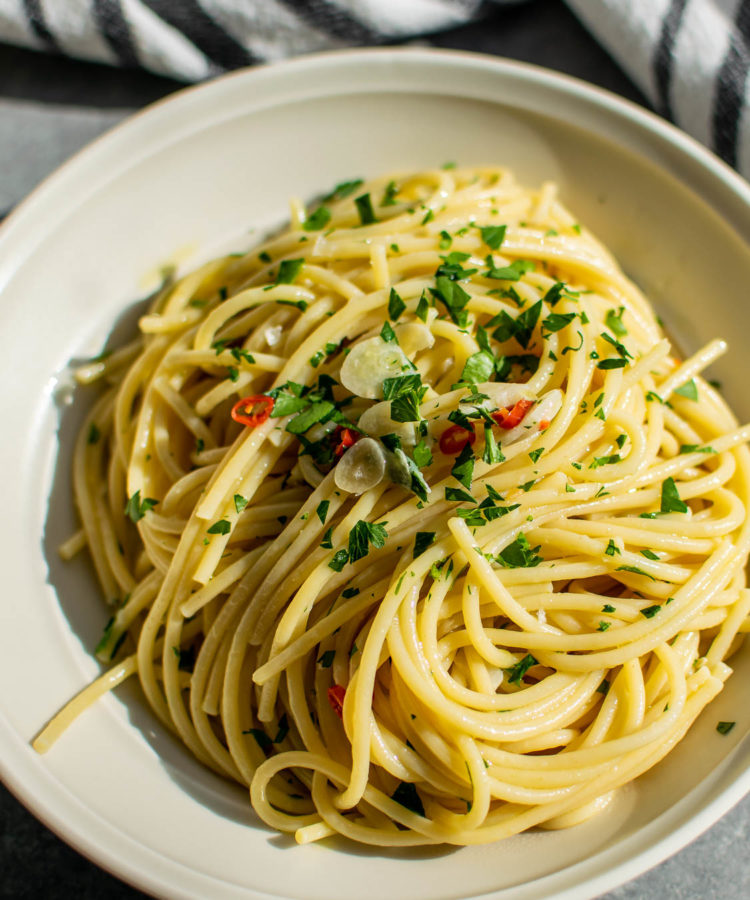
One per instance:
[(725, 727), (458, 496), (363, 534), (613, 321), (395, 305), (670, 498), (519, 555), (478, 367), (322, 510), (463, 468), (453, 296), (317, 220), (388, 334), (345, 189), (422, 540), (493, 235), (365, 210), (521, 328), (340, 559), (220, 527), (557, 321), (517, 671), (406, 794), (512, 272), (492, 453), (400, 385), (689, 390), (136, 509), (289, 269), (239, 502), (650, 611)]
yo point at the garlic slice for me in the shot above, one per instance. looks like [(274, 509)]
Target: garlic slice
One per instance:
[(361, 467)]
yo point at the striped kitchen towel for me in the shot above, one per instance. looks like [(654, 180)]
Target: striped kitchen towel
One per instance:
[(690, 57)]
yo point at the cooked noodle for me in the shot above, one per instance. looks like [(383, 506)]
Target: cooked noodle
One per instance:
[(388, 624)]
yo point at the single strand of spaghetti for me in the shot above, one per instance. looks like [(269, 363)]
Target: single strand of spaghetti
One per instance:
[(82, 700)]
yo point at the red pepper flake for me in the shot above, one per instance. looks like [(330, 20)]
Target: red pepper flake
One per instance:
[(454, 439), (336, 695), (346, 438), (253, 411), (544, 425), (510, 418)]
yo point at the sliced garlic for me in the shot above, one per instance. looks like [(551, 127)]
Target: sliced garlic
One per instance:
[(368, 365), (361, 467), (377, 421)]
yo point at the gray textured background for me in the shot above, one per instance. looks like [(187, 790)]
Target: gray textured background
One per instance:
[(49, 108)]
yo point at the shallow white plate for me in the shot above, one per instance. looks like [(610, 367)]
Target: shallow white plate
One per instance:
[(179, 181)]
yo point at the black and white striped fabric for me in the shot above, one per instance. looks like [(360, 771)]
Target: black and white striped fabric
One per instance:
[(690, 57)]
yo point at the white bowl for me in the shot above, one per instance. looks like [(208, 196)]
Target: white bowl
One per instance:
[(181, 180)]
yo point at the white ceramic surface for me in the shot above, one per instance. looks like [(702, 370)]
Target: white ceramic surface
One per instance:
[(181, 180)]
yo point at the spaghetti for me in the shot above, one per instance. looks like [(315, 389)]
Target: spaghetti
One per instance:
[(427, 535)]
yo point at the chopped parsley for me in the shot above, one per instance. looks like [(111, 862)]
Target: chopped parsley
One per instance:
[(365, 210), (362, 535), (453, 296), (406, 794), (478, 367), (635, 570), (557, 321), (389, 194), (463, 468), (388, 334), (512, 272), (457, 495), (493, 235), (94, 434), (519, 555), (289, 269), (517, 671), (395, 305), (613, 321), (326, 659), (650, 611), (689, 390), (422, 540), (520, 328), (345, 189), (535, 454), (322, 510), (670, 498), (340, 559), (220, 527), (319, 219), (725, 727), (240, 502), (695, 448), (136, 509), (612, 548)]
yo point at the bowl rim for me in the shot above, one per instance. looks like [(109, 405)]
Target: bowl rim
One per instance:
[(37, 789)]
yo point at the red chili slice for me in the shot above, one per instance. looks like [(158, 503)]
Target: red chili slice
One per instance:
[(544, 425), (252, 411), (454, 439), (336, 695), (346, 438), (510, 418)]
